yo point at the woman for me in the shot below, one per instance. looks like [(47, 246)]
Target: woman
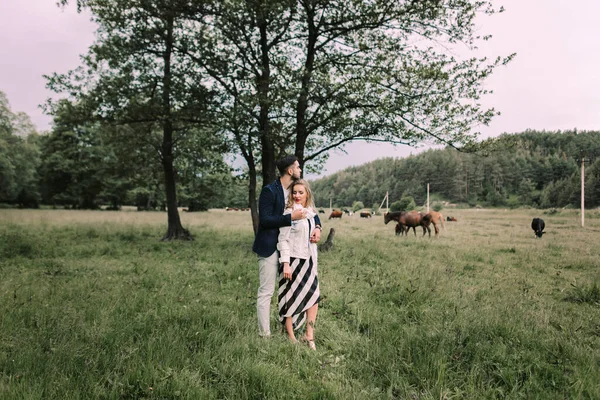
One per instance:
[(299, 294)]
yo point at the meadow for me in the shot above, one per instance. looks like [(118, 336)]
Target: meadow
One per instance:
[(94, 306)]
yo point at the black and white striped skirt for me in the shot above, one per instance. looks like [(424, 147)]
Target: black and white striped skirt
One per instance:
[(299, 294)]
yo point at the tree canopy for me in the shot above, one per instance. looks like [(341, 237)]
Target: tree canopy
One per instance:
[(19, 158), (261, 78), (538, 169), (135, 75)]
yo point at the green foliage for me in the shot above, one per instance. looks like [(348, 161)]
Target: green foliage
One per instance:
[(375, 209), (406, 203), (146, 199), (437, 206), (71, 168), (290, 77), (513, 202), (357, 205), (540, 168), (19, 158)]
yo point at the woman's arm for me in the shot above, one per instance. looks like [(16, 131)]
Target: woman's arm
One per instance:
[(283, 244)]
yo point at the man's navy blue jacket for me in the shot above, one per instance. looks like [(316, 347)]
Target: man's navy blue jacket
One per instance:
[(271, 205)]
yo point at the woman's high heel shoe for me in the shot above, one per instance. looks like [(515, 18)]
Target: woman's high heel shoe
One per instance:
[(310, 343)]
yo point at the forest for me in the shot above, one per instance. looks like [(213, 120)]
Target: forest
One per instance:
[(533, 168), (86, 168), (179, 84), (172, 92)]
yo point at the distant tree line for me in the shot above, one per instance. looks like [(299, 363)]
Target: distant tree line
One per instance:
[(85, 166), (537, 169)]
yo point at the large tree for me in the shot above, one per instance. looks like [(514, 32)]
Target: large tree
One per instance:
[(135, 75), (308, 76)]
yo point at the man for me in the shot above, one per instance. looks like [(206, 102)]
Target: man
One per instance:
[(271, 205)]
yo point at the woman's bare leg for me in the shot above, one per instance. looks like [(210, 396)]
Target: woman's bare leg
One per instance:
[(289, 328), (311, 317)]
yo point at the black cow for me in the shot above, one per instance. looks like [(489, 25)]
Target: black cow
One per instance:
[(321, 211), (538, 226)]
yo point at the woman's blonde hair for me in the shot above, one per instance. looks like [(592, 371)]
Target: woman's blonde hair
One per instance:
[(309, 196)]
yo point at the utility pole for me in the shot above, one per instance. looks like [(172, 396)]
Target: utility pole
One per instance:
[(582, 192), (385, 199)]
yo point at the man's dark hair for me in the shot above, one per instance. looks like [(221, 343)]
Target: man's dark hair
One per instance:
[(284, 163)]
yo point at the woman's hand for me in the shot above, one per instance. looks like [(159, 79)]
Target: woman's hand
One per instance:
[(315, 235), (298, 214), (287, 271)]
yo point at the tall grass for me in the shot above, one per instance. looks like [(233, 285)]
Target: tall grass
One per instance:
[(94, 306)]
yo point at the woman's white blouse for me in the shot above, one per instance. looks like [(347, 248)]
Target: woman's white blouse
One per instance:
[(294, 241)]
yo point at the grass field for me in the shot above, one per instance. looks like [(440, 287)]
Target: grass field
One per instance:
[(92, 305)]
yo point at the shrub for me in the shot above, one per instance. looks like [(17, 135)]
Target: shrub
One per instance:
[(437, 206), (513, 201), (406, 203), (357, 205), (375, 209)]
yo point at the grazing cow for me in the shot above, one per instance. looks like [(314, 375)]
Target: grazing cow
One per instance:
[(336, 214), (437, 217), (538, 226), (450, 219), (409, 220), (365, 214), (399, 229), (321, 211), (229, 208)]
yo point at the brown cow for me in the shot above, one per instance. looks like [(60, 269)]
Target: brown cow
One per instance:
[(409, 220), (450, 219), (399, 229), (336, 214), (365, 214), (435, 218)]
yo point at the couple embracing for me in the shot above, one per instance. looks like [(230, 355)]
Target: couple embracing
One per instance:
[(286, 243)]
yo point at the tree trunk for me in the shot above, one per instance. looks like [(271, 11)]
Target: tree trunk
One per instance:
[(264, 80), (175, 230), (302, 103), (252, 196)]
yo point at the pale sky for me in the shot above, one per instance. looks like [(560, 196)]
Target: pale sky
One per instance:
[(553, 83)]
